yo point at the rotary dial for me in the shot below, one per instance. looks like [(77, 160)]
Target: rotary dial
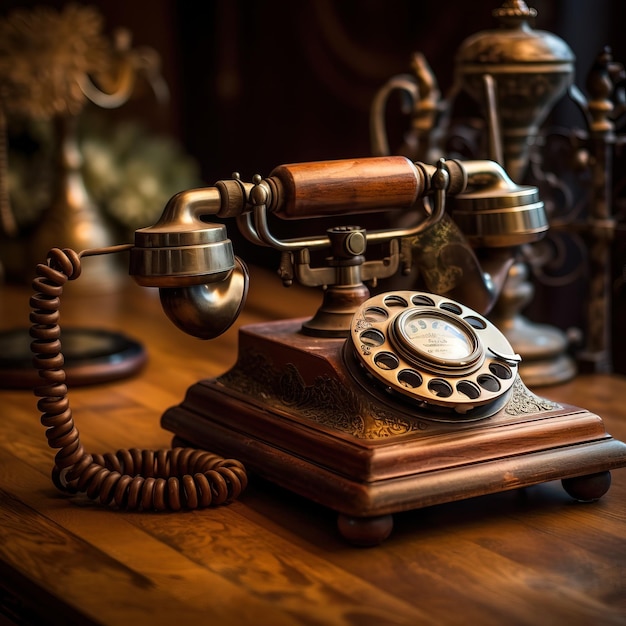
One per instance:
[(433, 350)]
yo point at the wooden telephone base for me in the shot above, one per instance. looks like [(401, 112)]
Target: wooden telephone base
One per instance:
[(293, 411)]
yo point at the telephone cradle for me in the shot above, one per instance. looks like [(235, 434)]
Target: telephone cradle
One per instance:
[(298, 412)]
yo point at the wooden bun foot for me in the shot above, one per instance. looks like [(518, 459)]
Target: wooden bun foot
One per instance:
[(588, 488), (365, 531)]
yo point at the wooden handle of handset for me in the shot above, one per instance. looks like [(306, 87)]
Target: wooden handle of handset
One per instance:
[(326, 188)]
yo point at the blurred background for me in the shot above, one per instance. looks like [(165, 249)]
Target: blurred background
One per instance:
[(258, 83)]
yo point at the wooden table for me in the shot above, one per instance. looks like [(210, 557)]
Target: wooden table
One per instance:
[(528, 557)]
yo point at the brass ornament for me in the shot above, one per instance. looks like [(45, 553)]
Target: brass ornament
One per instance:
[(516, 74)]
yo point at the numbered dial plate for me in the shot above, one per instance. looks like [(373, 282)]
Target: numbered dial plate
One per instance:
[(437, 339), (433, 349)]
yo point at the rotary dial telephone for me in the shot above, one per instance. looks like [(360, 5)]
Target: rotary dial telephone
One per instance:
[(378, 403)]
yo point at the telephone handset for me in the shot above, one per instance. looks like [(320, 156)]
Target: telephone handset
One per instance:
[(372, 406), (434, 351)]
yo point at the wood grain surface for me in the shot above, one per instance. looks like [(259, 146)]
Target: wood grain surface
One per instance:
[(520, 557)]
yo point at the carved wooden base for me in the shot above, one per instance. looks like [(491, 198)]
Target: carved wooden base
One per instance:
[(294, 411)]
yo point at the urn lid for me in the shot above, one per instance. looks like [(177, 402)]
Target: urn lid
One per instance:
[(515, 42)]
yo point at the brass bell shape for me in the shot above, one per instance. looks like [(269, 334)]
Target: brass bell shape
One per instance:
[(516, 74)]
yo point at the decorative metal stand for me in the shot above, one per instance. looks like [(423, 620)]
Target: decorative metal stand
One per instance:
[(516, 75), (583, 197)]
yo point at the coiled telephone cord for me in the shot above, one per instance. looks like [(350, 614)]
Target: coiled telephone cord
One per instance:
[(180, 478)]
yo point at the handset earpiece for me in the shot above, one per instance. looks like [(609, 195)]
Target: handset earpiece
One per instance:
[(495, 212)]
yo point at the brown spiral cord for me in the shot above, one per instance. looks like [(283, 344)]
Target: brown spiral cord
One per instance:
[(180, 478)]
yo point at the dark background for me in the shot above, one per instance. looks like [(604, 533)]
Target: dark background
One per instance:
[(258, 83)]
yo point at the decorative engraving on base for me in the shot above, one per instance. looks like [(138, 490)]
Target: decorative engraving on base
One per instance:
[(326, 402), (523, 401)]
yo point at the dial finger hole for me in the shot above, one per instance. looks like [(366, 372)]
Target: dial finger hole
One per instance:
[(500, 370), (489, 382), (395, 301), (386, 361), (469, 389), (476, 322), (375, 314), (372, 338), (410, 379), (422, 300), (452, 307), (440, 387)]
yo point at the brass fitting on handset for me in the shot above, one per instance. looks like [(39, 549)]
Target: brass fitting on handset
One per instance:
[(203, 285)]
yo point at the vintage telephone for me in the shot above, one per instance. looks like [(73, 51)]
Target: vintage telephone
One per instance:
[(377, 403)]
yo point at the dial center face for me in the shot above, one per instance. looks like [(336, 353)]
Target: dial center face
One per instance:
[(436, 336)]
